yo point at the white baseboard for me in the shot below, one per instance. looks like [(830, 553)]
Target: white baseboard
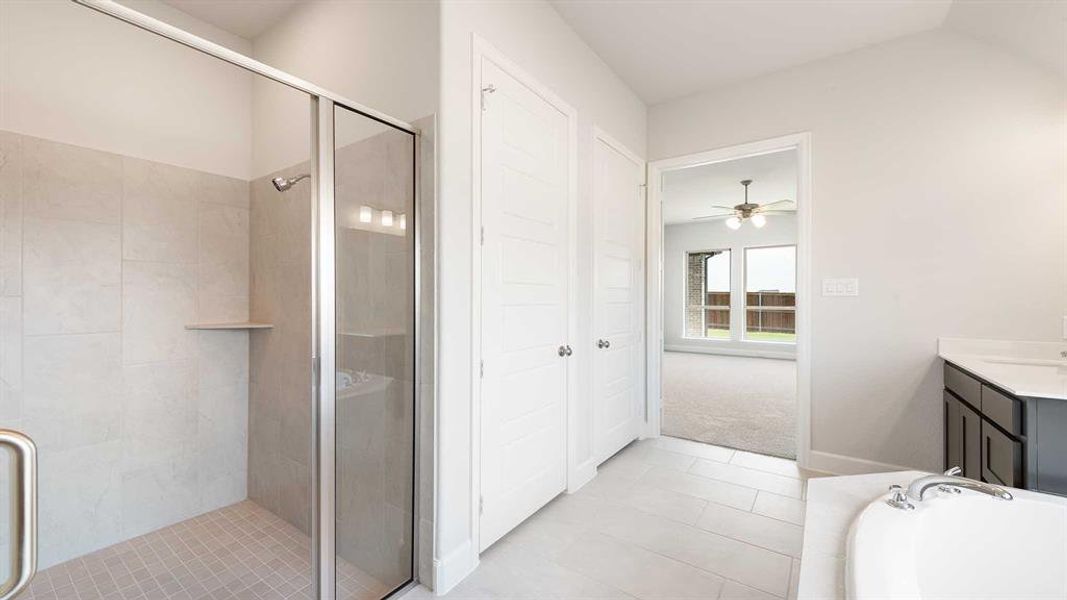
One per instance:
[(448, 571), (754, 353), (581, 475), (837, 464)]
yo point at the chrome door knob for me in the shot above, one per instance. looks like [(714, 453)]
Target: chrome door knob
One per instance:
[(603, 344), (569, 351), (563, 351)]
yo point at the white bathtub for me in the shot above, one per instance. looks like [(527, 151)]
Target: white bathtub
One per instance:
[(960, 546)]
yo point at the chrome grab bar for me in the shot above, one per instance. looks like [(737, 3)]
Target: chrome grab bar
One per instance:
[(23, 513)]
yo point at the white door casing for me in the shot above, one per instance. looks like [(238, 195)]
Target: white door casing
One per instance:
[(524, 302), (802, 144), (618, 291)]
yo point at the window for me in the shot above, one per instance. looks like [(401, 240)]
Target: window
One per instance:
[(707, 291), (771, 294)]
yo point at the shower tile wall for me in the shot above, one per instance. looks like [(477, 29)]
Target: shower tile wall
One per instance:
[(279, 442), (104, 259)]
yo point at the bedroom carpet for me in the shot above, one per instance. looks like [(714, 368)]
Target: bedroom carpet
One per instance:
[(739, 402)]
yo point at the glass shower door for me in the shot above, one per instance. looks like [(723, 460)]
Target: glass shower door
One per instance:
[(374, 175)]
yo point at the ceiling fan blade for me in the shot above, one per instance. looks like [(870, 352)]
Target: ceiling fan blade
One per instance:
[(709, 217), (775, 202), (729, 208), (776, 212)]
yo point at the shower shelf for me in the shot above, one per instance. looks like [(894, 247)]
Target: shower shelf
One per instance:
[(234, 325)]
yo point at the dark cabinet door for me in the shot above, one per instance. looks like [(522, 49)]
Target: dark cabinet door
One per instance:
[(953, 431), (1002, 457), (971, 442)]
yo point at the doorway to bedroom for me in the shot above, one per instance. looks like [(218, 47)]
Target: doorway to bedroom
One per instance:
[(729, 303)]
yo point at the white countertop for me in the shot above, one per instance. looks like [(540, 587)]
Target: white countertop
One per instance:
[(1030, 369)]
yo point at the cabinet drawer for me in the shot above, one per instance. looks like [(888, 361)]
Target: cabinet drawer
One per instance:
[(1002, 410), (963, 385), (1002, 457)]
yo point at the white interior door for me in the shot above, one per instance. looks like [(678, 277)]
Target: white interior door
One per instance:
[(618, 235), (524, 266)]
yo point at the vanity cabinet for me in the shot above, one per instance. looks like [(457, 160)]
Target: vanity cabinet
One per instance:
[(1003, 439), (984, 430)]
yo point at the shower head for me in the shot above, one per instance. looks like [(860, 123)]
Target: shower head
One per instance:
[(283, 184)]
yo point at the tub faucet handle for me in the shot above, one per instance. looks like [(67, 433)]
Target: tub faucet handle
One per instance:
[(899, 498), (948, 489)]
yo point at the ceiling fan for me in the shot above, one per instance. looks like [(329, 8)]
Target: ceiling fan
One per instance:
[(746, 211)]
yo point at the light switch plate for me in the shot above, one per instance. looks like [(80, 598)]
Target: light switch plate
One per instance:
[(843, 287)]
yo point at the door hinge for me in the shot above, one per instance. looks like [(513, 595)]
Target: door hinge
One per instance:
[(481, 505), (481, 368), (482, 236), (489, 89)]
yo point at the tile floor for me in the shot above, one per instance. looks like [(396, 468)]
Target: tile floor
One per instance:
[(242, 551), (664, 518)]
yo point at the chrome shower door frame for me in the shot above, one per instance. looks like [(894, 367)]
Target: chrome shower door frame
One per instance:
[(324, 344), (323, 351)]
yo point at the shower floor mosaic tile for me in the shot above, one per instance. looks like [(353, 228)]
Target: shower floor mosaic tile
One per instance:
[(240, 552)]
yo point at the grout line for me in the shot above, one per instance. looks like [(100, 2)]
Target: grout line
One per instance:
[(695, 566), (749, 543)]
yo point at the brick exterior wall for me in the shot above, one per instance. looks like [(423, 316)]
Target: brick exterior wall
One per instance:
[(694, 291)]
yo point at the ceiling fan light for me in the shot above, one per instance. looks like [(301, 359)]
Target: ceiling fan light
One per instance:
[(733, 223), (758, 220)]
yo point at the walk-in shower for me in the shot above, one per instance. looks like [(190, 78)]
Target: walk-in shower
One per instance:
[(222, 387)]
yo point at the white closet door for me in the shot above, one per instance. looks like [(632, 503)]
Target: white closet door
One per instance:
[(524, 303), (618, 324)]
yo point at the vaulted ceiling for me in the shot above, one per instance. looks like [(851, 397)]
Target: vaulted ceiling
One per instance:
[(666, 49)]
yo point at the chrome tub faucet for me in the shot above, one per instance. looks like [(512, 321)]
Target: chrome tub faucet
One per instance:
[(950, 482)]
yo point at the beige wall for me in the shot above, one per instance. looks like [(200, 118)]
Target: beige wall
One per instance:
[(940, 171), (380, 54), (70, 74), (140, 423), (534, 36)]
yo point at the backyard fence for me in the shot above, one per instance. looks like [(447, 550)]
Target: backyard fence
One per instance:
[(765, 312), (771, 312)]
